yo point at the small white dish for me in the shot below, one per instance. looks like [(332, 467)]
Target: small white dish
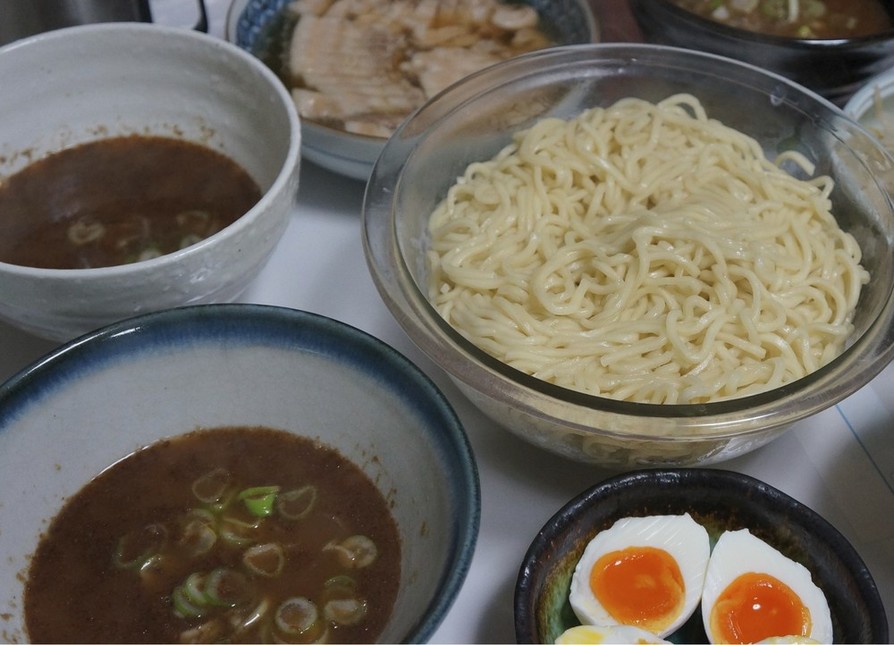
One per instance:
[(873, 104)]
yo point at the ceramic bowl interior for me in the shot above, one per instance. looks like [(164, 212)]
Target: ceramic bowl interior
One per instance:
[(834, 68), (90, 82), (475, 119), (258, 27), (873, 104), (720, 501), (98, 399)]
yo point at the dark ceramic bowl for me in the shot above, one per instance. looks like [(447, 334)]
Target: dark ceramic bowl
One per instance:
[(720, 500), (834, 68)]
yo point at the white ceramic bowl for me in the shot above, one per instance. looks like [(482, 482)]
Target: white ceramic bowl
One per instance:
[(83, 83), (252, 24), (874, 99), (97, 399)]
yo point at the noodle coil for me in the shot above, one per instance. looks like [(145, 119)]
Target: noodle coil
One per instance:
[(645, 252)]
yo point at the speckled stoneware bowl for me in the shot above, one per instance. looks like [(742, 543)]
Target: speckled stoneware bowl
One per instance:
[(719, 500), (256, 25), (80, 84), (99, 398)]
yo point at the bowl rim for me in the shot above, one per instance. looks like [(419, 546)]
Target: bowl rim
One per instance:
[(157, 35), (860, 104), (296, 331), (539, 398), (722, 30), (741, 487)]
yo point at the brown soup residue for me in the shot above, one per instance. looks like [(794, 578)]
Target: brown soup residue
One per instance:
[(238, 534), (119, 200), (810, 19)]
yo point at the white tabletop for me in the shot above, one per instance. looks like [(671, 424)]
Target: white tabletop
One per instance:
[(840, 463)]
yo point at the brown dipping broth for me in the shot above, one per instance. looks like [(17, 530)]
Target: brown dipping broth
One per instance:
[(816, 19), (86, 582), (119, 200)]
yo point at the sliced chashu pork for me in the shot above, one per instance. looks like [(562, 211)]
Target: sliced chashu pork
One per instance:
[(348, 71), (365, 64)]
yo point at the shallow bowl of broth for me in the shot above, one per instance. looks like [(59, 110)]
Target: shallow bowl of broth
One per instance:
[(141, 168), (244, 472), (830, 46), (536, 294), (356, 69)]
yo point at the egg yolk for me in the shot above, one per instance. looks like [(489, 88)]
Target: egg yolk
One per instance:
[(639, 586), (756, 606)]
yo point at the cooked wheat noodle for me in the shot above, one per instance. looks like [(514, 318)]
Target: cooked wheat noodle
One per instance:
[(647, 253)]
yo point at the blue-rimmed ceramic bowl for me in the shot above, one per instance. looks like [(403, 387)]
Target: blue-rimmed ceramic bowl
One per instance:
[(258, 27), (100, 397)]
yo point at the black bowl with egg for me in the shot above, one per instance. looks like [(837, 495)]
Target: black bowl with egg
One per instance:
[(719, 500), (834, 67)]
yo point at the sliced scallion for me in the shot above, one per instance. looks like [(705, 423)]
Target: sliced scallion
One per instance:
[(296, 504), (135, 548), (345, 611), (264, 559), (354, 552), (193, 589), (237, 532), (296, 616), (198, 537), (259, 500), (226, 587), (183, 607), (211, 487)]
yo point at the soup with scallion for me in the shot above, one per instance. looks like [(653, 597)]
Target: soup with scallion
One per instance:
[(808, 19), (119, 200), (238, 534)]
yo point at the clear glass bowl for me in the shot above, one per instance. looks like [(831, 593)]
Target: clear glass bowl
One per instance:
[(475, 118)]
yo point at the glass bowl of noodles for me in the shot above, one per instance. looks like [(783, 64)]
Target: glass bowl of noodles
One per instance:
[(637, 255)]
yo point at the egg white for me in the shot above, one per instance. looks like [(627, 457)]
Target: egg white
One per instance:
[(680, 536), (739, 552), (609, 634)]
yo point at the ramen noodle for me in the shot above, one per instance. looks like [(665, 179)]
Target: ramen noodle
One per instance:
[(645, 252)]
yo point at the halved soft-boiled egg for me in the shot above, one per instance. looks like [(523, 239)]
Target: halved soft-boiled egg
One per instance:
[(754, 593), (608, 635), (646, 572)]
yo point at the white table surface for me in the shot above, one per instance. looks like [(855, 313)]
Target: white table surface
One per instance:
[(840, 463)]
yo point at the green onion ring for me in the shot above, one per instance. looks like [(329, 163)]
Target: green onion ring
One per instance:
[(183, 607), (296, 504), (259, 500)]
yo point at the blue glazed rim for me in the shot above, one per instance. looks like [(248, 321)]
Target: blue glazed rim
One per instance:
[(292, 330), (574, 19)]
